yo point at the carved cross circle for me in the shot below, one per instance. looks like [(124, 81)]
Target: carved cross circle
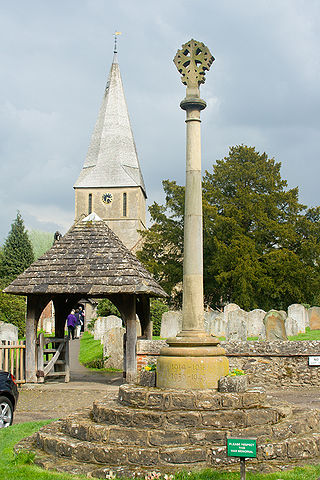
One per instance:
[(192, 61)]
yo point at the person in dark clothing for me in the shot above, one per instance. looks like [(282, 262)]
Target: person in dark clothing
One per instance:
[(79, 323), (81, 313), (71, 323)]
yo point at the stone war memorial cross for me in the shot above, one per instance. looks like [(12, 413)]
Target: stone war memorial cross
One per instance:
[(193, 359)]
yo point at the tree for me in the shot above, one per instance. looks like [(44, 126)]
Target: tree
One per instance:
[(261, 246), (12, 309), (17, 253), (40, 241), (16, 256), (163, 242)]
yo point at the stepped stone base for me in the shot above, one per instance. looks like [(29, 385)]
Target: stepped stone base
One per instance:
[(147, 429)]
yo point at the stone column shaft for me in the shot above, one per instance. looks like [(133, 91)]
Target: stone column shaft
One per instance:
[(193, 256), (193, 359)]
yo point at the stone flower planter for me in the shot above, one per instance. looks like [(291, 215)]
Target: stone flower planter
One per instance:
[(148, 378), (233, 384)]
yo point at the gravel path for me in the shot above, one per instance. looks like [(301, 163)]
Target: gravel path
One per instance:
[(57, 399)]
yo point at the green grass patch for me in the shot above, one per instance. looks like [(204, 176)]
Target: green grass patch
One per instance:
[(20, 466), (309, 335), (91, 351), (91, 354), (306, 473)]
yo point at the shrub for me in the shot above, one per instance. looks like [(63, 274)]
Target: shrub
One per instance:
[(106, 308), (157, 308), (12, 308)]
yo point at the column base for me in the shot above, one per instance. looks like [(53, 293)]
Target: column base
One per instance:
[(194, 362)]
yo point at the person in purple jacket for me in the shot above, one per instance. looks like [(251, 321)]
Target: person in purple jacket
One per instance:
[(71, 324)]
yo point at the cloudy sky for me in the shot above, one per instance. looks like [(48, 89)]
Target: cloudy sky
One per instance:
[(262, 90)]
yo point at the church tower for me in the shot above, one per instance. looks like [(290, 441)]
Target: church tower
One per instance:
[(110, 182)]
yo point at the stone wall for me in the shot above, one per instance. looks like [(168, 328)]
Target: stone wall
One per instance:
[(269, 364), (275, 364), (148, 351)]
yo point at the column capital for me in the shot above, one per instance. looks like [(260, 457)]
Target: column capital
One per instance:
[(193, 104)]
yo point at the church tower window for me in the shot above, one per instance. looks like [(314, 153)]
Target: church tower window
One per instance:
[(90, 203), (124, 205)]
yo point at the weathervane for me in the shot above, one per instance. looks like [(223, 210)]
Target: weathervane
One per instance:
[(115, 41)]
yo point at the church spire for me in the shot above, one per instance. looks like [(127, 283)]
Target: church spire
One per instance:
[(112, 159)]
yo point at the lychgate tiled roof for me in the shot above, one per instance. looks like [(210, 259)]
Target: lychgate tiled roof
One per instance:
[(90, 260)]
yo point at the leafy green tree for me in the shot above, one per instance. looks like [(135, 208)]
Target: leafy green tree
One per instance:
[(106, 307), (261, 246), (12, 308), (163, 242), (157, 308), (17, 253)]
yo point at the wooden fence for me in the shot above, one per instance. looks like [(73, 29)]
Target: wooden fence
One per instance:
[(12, 359)]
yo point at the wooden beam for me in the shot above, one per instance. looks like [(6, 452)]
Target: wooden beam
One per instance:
[(126, 304), (143, 312), (31, 338)]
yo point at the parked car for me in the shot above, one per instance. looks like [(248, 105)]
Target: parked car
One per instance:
[(8, 398)]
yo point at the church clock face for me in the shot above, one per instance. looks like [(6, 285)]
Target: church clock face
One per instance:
[(107, 198)]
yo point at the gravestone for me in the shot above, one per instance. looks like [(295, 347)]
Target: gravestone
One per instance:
[(314, 318), (8, 332), (230, 307), (171, 323), (292, 326), (48, 325), (255, 324), (299, 314), (113, 348), (209, 319), (218, 326), (284, 314), (103, 324), (275, 328), (237, 326)]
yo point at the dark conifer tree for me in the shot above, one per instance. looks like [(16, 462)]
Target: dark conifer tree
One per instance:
[(17, 252)]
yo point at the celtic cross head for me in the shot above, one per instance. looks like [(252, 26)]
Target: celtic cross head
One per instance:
[(192, 61)]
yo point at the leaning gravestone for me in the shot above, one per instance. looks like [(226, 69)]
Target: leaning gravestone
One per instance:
[(8, 332), (171, 324), (113, 348), (314, 318), (255, 324), (237, 326), (274, 324), (299, 314)]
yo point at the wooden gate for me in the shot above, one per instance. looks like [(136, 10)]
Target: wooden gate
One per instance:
[(12, 359), (53, 358)]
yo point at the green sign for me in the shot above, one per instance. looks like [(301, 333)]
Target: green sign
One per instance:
[(242, 447)]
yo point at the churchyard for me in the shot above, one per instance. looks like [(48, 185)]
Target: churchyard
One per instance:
[(194, 405)]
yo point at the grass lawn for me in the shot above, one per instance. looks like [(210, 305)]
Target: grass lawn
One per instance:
[(91, 354), (309, 335), (21, 467)]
